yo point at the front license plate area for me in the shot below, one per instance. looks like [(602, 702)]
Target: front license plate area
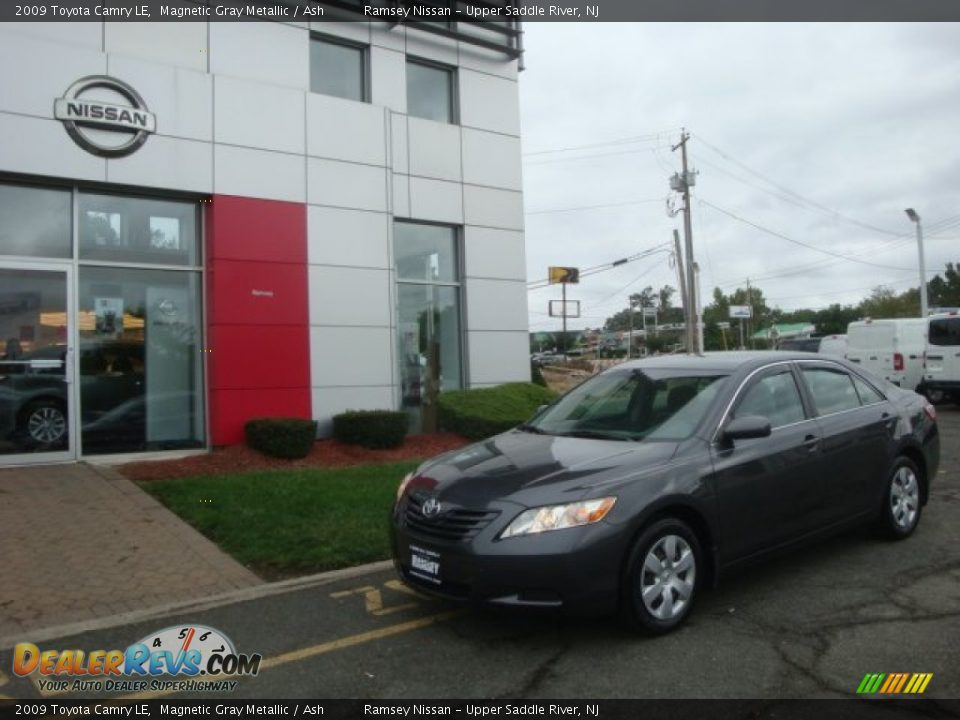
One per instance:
[(425, 564)]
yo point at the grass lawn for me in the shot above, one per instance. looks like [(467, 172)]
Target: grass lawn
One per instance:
[(289, 522)]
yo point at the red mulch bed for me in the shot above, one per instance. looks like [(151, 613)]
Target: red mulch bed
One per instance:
[(325, 453)]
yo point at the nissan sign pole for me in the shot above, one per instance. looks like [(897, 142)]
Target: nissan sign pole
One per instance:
[(741, 313), (564, 276)]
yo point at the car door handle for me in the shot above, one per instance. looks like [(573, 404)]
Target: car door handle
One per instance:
[(810, 442)]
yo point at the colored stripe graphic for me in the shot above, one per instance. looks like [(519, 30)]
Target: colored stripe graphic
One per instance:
[(894, 683)]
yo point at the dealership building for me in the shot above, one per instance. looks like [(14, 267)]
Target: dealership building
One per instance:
[(206, 222)]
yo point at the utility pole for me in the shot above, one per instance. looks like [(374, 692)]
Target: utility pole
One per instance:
[(750, 303), (685, 299), (682, 184), (915, 219)]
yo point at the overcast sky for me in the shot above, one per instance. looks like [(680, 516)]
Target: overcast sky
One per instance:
[(859, 120)]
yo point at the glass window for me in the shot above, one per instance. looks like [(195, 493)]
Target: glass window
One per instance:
[(140, 360), (868, 394), (774, 397), (34, 221), (430, 92), (633, 405), (832, 390), (138, 230), (425, 252), (945, 331), (338, 69)]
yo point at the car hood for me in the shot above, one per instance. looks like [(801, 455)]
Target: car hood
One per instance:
[(532, 469)]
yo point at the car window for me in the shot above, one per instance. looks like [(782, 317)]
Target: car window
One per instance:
[(774, 397), (832, 390), (868, 395), (945, 331)]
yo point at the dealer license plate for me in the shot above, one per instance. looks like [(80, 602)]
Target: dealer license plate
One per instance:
[(425, 564)]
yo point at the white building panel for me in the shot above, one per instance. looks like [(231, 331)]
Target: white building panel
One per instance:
[(181, 99), (330, 401), (434, 149), (182, 44), (496, 304), (491, 159), (368, 290), (265, 51), (401, 196), (258, 173), (436, 200), (489, 103), (399, 147), (491, 253), (392, 37), (346, 185), (37, 72), (87, 34), (388, 70), (169, 163), (258, 115), (492, 62), (354, 238), (42, 147), (499, 357), (347, 130), (358, 32), (493, 208), (428, 46), (368, 349)]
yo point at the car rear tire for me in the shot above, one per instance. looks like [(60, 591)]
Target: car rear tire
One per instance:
[(44, 424), (661, 577), (901, 500)]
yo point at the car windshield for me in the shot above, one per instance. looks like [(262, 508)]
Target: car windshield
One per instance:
[(632, 405)]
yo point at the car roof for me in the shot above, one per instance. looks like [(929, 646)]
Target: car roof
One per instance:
[(720, 361)]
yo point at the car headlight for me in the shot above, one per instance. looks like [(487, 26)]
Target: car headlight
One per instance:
[(403, 485), (558, 517)]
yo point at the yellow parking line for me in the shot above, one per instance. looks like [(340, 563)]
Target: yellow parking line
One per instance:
[(327, 647)]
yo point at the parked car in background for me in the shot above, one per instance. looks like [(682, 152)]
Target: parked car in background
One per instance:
[(550, 358), (941, 374), (646, 483), (808, 344), (890, 348), (833, 345)]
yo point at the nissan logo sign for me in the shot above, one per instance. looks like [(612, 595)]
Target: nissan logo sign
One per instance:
[(84, 117), (431, 508)]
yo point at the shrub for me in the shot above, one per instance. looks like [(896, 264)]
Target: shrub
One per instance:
[(281, 437), (371, 428), (480, 413)]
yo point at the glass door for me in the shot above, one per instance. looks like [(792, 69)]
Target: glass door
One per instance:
[(36, 363)]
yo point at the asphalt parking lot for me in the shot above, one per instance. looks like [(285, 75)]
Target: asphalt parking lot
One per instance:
[(809, 625)]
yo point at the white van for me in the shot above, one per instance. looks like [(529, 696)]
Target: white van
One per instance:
[(941, 374), (833, 345), (892, 349)]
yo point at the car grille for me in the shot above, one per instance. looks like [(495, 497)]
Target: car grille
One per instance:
[(453, 525)]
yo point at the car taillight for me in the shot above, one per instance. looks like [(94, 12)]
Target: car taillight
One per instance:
[(898, 362), (931, 412)]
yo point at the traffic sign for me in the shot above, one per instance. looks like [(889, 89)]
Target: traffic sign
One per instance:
[(743, 312), (565, 275)]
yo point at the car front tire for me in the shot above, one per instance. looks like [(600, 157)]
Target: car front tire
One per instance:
[(661, 577), (44, 424), (901, 501)]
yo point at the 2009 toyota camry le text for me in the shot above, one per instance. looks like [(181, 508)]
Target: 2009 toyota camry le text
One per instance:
[(642, 485)]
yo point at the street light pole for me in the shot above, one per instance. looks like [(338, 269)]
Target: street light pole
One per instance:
[(915, 219)]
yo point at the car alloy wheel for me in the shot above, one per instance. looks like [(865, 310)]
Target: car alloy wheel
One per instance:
[(661, 577), (901, 506), (46, 424)]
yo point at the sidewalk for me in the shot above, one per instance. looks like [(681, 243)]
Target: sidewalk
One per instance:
[(80, 542)]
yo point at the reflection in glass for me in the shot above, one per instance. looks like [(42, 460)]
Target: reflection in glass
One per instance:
[(337, 69), (425, 252), (140, 360), (429, 92), (34, 400), (34, 222), (138, 230)]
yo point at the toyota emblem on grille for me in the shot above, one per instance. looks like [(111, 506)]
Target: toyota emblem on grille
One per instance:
[(431, 508)]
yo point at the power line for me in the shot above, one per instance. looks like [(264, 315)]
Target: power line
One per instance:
[(594, 207), (545, 282), (648, 137), (619, 153)]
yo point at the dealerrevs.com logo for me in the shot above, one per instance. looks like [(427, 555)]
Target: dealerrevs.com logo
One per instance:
[(192, 658)]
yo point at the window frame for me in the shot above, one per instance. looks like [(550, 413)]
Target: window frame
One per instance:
[(365, 75), (454, 86)]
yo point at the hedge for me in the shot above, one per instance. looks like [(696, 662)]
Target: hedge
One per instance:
[(480, 413), (281, 437), (371, 428)]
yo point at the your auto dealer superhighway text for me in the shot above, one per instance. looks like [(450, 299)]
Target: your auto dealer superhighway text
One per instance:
[(478, 710)]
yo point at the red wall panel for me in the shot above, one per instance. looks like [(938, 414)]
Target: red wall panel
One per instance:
[(257, 313)]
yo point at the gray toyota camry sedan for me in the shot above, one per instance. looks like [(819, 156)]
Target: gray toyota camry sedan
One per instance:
[(647, 482)]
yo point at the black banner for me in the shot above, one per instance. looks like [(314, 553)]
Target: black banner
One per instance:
[(522, 10), (852, 709)]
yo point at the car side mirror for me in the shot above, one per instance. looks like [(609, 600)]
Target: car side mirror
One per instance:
[(749, 426)]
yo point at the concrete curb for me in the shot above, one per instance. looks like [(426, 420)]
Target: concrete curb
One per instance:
[(197, 605)]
